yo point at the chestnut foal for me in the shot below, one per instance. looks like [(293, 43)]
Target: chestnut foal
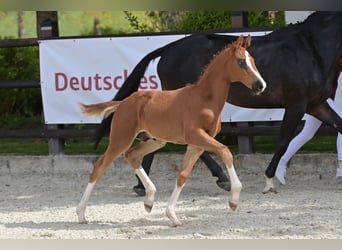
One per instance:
[(189, 115)]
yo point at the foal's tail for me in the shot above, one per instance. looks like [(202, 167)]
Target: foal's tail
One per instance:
[(130, 86), (103, 109)]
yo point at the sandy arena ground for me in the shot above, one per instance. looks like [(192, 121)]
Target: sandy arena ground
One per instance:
[(39, 195)]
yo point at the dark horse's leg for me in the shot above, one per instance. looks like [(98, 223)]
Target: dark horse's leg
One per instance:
[(214, 168), (216, 171), (292, 117), (291, 120)]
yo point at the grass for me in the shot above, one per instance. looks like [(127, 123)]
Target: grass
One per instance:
[(262, 144), (71, 147), (267, 144)]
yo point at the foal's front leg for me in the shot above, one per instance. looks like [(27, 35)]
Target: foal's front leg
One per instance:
[(191, 156), (208, 143)]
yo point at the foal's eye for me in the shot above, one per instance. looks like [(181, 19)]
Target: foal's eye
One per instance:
[(242, 63)]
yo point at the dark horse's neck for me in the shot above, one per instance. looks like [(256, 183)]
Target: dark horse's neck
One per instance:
[(324, 33)]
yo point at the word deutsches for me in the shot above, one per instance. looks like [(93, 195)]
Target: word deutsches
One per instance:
[(98, 82)]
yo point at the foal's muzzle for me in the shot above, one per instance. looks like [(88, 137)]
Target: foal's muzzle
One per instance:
[(258, 87)]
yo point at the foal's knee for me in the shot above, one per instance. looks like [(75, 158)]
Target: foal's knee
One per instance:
[(225, 154)]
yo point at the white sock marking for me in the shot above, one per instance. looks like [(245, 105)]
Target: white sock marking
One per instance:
[(83, 203), (171, 205)]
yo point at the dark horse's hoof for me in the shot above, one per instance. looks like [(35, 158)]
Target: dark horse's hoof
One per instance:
[(139, 190), (224, 185)]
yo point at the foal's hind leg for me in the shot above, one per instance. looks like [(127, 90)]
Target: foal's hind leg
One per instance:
[(134, 156), (191, 156), (147, 160), (100, 167), (146, 163)]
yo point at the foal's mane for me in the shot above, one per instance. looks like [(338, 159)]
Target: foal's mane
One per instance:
[(221, 53)]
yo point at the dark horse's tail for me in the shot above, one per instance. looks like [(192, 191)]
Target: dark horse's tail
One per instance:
[(130, 86)]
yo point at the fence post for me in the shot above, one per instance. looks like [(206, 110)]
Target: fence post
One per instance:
[(245, 143), (239, 19), (47, 27)]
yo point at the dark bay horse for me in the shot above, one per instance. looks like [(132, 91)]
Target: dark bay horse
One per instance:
[(190, 115), (298, 62)]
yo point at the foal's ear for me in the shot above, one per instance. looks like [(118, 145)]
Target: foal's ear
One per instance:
[(239, 41), (247, 42)]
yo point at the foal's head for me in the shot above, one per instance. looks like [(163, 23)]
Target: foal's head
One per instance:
[(242, 68)]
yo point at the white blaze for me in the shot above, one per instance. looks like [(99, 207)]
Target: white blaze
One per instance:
[(250, 66)]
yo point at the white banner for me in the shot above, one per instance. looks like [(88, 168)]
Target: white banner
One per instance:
[(91, 70)]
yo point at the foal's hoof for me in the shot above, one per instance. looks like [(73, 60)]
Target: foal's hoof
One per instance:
[(148, 207), (140, 191), (178, 225), (173, 218), (269, 190), (233, 205), (80, 216), (224, 185)]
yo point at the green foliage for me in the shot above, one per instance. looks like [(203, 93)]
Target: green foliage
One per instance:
[(135, 23), (265, 19), (105, 30), (205, 20), (200, 20), (15, 121), (20, 64), (102, 29), (155, 21), (165, 20)]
